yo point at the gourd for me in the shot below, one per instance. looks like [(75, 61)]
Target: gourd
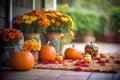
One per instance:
[(59, 58), (47, 53), (22, 60), (92, 49), (102, 55), (87, 58), (72, 53)]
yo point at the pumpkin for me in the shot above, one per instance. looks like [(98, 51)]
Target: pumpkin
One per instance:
[(92, 49), (102, 55), (22, 60), (59, 58), (72, 53), (47, 53), (87, 58)]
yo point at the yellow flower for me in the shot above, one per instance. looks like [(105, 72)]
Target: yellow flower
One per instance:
[(31, 45), (33, 18), (64, 19), (25, 17), (71, 23), (58, 13), (28, 21)]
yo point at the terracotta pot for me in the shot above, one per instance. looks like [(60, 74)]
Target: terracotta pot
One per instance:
[(54, 39), (35, 36), (110, 38), (118, 39)]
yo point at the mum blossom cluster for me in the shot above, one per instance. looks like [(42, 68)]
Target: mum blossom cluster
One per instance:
[(38, 21), (32, 22), (31, 45), (59, 22), (11, 37)]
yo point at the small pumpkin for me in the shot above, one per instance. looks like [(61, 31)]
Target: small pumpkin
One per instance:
[(102, 55), (47, 53), (87, 58), (22, 60), (72, 53), (59, 58)]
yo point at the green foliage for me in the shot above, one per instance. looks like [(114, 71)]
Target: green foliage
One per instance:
[(86, 20), (114, 14)]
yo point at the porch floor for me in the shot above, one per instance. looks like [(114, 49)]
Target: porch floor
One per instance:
[(6, 73)]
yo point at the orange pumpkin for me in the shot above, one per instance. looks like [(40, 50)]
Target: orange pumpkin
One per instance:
[(22, 61), (47, 53), (72, 53), (59, 58)]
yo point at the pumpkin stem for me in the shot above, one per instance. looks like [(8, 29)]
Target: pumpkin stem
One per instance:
[(73, 45), (48, 43)]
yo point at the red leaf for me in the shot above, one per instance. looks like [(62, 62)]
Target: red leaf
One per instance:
[(78, 68), (112, 57), (47, 62), (97, 58), (118, 61), (102, 64), (101, 61), (82, 64), (106, 61)]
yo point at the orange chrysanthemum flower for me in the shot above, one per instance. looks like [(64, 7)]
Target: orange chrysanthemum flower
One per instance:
[(6, 37), (57, 23), (12, 35), (52, 21)]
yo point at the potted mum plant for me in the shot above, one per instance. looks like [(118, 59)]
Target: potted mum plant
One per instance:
[(32, 23), (59, 23), (32, 46), (10, 38)]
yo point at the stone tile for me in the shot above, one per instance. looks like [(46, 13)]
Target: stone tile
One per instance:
[(77, 73), (37, 72), (20, 77), (117, 76), (72, 77), (52, 75), (24, 75), (101, 76)]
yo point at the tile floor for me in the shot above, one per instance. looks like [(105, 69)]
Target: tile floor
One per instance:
[(6, 73)]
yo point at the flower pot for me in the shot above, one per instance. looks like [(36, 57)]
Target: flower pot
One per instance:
[(8, 51), (110, 38), (118, 39), (35, 36), (35, 54), (54, 39)]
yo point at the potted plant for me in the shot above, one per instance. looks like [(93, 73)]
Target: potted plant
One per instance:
[(32, 46), (10, 38), (60, 23), (32, 23)]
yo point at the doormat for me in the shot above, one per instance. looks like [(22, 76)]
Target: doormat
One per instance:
[(109, 64)]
